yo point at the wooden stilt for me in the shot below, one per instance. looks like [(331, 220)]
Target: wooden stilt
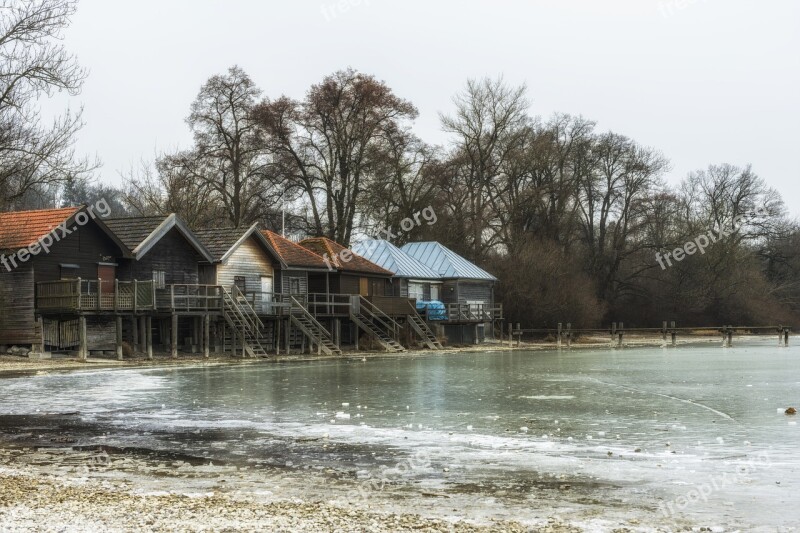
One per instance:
[(173, 348), (206, 335), (786, 336), (511, 335), (558, 339), (620, 332), (135, 334), (277, 336), (569, 334), (664, 332), (83, 347), (148, 334), (287, 334), (674, 333), (119, 337)]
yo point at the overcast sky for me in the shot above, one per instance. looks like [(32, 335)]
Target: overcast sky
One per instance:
[(704, 81)]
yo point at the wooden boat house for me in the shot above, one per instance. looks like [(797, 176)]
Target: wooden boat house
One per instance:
[(150, 282)]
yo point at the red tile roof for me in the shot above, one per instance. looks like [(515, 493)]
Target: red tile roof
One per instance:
[(292, 253), (332, 250), (19, 229)]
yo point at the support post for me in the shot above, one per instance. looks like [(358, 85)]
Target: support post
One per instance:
[(510, 335), (119, 337), (519, 334), (569, 334), (174, 337), (277, 335), (664, 332), (83, 348), (730, 336), (613, 332), (135, 333), (206, 335), (674, 333), (558, 339), (287, 334), (786, 337), (621, 333), (149, 337)]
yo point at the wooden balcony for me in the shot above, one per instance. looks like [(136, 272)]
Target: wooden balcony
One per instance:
[(86, 295)]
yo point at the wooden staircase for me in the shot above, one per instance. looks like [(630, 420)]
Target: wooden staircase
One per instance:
[(244, 321), (313, 330), (423, 331), (375, 323)]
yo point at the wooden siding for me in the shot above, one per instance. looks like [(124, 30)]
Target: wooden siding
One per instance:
[(172, 254), (286, 275), (469, 291), (249, 261), (85, 247), (17, 320)]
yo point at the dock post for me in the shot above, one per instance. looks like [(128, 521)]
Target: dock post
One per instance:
[(519, 334), (277, 332), (287, 334), (119, 337), (724, 331), (174, 336), (83, 348), (558, 340), (664, 332), (780, 335), (135, 333), (786, 337), (674, 333), (510, 335), (569, 334), (730, 336), (613, 332), (620, 333), (206, 335), (142, 333), (148, 334)]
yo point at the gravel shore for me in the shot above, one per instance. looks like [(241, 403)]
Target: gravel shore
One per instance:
[(45, 504)]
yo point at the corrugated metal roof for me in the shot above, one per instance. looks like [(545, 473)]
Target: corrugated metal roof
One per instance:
[(392, 258), (445, 261)]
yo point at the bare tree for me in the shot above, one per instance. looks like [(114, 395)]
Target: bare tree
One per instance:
[(489, 123), (33, 64), (328, 144)]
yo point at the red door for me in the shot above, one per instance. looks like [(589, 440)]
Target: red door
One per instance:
[(106, 274)]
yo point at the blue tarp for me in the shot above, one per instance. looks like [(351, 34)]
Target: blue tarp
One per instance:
[(435, 309)]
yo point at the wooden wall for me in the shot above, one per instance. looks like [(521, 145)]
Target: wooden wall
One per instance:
[(85, 247), (174, 255), (17, 320), (250, 261), (282, 280)]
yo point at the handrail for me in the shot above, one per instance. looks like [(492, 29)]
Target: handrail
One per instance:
[(378, 314), (257, 323), (308, 315)]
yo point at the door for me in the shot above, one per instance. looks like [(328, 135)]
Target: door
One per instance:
[(107, 273), (363, 286), (267, 288)]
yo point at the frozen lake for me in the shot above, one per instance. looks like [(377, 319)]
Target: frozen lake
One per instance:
[(694, 434)]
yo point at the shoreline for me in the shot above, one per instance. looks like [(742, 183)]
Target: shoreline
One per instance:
[(17, 366)]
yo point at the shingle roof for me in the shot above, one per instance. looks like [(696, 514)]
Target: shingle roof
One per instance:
[(292, 254), (392, 258), (19, 229), (133, 230), (331, 250), (445, 261), (140, 234), (220, 240)]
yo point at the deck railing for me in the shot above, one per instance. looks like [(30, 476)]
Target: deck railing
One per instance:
[(190, 297), (463, 312), (95, 295)]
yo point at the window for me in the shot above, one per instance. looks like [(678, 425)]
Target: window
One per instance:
[(160, 279), (241, 283), (69, 271), (294, 285), (435, 290), (416, 290)]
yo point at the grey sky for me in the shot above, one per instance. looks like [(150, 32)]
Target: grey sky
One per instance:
[(705, 81)]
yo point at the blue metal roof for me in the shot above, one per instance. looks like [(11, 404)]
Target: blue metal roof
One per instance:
[(392, 258), (445, 261)]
